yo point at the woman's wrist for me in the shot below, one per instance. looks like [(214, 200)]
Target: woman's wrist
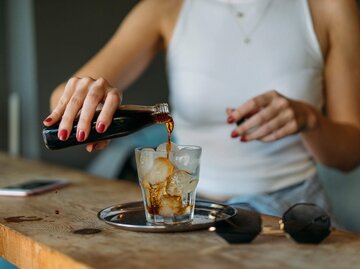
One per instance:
[(313, 118)]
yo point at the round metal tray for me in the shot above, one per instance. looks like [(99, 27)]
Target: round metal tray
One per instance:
[(131, 216)]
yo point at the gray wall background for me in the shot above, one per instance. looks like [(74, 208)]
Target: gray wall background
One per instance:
[(65, 34)]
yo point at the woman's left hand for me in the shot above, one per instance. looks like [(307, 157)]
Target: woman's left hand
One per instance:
[(271, 116)]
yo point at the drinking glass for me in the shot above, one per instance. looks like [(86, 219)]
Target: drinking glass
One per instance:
[(168, 181)]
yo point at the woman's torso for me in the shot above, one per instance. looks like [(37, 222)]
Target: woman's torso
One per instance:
[(210, 67)]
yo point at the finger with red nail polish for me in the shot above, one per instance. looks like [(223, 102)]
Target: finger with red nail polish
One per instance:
[(63, 135), (234, 134), (80, 136), (47, 120), (100, 128), (230, 119)]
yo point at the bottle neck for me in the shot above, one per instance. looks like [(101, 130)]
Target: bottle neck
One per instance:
[(160, 111), (158, 108)]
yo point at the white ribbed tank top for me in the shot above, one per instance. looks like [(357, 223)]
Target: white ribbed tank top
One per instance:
[(210, 68)]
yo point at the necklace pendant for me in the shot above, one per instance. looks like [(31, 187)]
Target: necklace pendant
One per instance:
[(247, 40)]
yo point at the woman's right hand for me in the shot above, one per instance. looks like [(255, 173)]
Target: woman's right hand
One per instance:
[(81, 98)]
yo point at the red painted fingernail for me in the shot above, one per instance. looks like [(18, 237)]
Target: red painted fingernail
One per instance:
[(243, 138), (80, 136), (234, 134), (101, 127), (63, 135), (230, 119), (48, 119)]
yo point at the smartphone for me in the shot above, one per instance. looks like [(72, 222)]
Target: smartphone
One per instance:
[(31, 187)]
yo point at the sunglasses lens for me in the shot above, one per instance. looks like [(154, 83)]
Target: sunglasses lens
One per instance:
[(241, 228), (307, 223)]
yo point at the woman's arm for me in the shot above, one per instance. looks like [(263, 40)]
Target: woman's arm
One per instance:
[(334, 139), (109, 72)]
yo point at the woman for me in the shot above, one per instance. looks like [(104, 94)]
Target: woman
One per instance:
[(272, 66)]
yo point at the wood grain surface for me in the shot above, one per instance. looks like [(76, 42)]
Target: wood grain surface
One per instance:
[(60, 229)]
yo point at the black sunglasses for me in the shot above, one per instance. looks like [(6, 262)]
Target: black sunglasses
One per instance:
[(304, 222)]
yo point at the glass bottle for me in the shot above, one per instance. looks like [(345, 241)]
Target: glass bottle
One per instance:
[(126, 120)]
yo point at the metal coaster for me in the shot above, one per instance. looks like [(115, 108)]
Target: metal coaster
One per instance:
[(131, 216)]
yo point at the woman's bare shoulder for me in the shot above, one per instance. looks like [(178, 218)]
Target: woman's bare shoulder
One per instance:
[(161, 5), (334, 11), (333, 18), (165, 11), (168, 11)]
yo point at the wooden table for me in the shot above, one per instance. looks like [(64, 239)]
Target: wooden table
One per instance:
[(45, 236)]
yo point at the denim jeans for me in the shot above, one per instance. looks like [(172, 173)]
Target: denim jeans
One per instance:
[(277, 202)]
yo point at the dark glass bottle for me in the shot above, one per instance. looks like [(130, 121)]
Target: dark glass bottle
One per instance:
[(126, 120)]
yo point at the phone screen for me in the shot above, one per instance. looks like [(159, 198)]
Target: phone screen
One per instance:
[(34, 186)]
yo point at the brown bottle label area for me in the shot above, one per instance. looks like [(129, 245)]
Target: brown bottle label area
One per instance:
[(124, 123)]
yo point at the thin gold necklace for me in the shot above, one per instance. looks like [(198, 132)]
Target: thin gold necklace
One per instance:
[(239, 16)]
